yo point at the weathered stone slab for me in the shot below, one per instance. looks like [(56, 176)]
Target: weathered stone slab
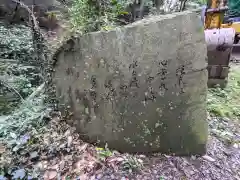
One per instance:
[(140, 88)]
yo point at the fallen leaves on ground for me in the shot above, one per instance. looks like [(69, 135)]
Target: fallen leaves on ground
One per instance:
[(58, 152), (2, 149)]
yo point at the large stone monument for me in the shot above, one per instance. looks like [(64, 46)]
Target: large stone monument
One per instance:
[(139, 88)]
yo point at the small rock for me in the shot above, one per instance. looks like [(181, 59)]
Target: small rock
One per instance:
[(236, 145), (142, 156), (29, 178), (227, 152), (54, 167), (67, 133), (69, 141), (193, 157), (2, 177), (62, 146), (208, 158), (93, 177), (39, 166), (24, 139), (50, 175), (99, 176), (62, 165), (34, 155), (19, 174), (112, 176)]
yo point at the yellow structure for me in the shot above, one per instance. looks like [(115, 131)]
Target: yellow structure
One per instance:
[(215, 16)]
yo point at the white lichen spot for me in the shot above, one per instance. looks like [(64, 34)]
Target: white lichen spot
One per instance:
[(144, 103), (161, 93), (157, 139), (86, 110), (86, 64), (157, 125), (102, 61), (127, 139)]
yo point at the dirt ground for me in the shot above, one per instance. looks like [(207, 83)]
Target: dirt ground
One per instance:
[(59, 153)]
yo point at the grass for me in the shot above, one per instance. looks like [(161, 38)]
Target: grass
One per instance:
[(226, 102)]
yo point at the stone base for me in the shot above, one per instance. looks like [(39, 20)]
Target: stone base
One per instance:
[(213, 83)]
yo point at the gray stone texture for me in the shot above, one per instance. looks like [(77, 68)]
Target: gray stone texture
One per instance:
[(8, 6), (10, 13), (139, 88)]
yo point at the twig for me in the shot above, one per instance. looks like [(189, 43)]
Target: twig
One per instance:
[(35, 93), (8, 60), (34, 20), (35, 29), (15, 11), (10, 87)]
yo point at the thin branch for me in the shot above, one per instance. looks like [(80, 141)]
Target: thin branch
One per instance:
[(15, 11), (36, 92), (8, 61), (11, 88), (34, 20)]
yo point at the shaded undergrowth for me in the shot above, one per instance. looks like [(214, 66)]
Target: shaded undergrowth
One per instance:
[(226, 102)]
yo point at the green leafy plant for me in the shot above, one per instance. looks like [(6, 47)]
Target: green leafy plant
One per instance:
[(132, 163), (202, 2), (18, 78), (88, 15), (226, 102), (16, 42), (103, 153)]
